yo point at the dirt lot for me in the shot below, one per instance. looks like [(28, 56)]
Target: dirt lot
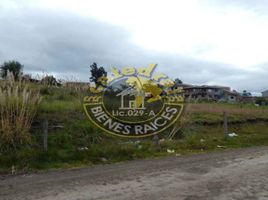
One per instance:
[(232, 174)]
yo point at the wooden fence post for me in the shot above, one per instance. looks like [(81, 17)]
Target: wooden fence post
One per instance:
[(156, 139), (45, 133), (225, 124)]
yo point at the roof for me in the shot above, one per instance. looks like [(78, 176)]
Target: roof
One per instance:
[(231, 92), (131, 91), (127, 91), (77, 83), (208, 87), (183, 85)]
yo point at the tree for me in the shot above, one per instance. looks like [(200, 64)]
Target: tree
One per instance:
[(177, 81), (11, 66), (262, 101), (96, 74), (246, 93), (49, 80)]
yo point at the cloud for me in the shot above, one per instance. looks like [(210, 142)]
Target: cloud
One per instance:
[(65, 44), (58, 42)]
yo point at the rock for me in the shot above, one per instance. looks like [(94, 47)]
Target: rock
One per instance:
[(170, 150), (82, 148), (202, 140), (103, 159), (13, 170), (232, 135)]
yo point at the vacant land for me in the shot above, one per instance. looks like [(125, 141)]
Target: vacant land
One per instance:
[(237, 174), (73, 141)]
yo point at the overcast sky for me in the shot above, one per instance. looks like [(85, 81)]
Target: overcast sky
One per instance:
[(220, 42)]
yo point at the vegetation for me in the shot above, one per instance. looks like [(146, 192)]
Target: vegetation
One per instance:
[(262, 101), (79, 143), (96, 74), (68, 149), (13, 67), (177, 81), (18, 106), (73, 141), (49, 80), (246, 93)]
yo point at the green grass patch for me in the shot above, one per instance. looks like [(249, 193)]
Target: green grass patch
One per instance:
[(65, 151), (79, 143)]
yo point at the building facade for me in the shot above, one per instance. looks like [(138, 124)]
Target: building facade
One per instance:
[(265, 93), (209, 93)]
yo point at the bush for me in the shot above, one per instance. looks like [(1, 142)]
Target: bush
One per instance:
[(262, 101), (18, 106), (49, 80)]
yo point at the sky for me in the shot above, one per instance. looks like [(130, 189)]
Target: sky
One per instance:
[(219, 42)]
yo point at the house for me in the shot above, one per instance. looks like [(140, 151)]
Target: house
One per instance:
[(28, 78), (247, 99), (131, 103), (77, 85), (210, 93), (230, 96), (265, 93)]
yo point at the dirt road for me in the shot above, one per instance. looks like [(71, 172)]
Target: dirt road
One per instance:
[(236, 174)]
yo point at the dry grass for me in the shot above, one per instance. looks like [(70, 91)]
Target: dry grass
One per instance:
[(213, 112), (18, 106), (183, 121), (219, 109)]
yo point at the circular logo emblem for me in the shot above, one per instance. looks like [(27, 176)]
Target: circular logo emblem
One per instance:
[(133, 102)]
